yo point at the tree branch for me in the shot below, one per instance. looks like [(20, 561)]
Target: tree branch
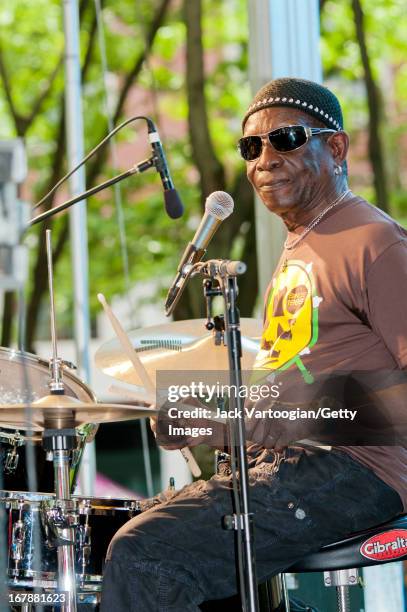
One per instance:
[(375, 111), (9, 97), (8, 313), (129, 80), (37, 104), (23, 122), (212, 176), (40, 287), (134, 72)]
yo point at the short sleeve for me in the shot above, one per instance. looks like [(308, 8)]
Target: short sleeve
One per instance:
[(387, 300)]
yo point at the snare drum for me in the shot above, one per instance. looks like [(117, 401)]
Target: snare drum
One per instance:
[(32, 536), (25, 377)]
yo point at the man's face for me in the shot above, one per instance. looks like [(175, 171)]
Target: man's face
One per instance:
[(287, 182)]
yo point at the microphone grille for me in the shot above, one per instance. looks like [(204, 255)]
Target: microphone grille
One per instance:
[(219, 204)]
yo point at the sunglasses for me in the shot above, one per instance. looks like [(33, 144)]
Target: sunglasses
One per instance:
[(284, 140)]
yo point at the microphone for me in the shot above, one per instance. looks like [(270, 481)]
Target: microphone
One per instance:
[(218, 206), (172, 201), (224, 267)]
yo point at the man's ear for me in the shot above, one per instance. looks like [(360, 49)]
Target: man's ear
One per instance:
[(339, 145)]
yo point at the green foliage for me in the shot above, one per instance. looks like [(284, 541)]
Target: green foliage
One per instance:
[(31, 48), (385, 23)]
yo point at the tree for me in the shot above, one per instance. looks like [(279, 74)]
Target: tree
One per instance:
[(376, 149), (369, 90), (212, 174), (23, 123), (188, 64), (158, 242), (40, 287)]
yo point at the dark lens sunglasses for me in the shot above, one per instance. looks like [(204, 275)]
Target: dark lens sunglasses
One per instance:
[(284, 140)]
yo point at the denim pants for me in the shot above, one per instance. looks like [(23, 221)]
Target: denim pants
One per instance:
[(176, 555)]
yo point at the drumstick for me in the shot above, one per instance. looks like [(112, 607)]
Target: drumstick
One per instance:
[(142, 372)]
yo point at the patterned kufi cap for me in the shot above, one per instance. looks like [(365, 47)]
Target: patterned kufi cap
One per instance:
[(307, 96)]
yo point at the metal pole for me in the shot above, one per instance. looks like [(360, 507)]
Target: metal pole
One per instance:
[(243, 515), (77, 220), (66, 555)]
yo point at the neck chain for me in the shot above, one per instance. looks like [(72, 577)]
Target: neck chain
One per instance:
[(288, 246)]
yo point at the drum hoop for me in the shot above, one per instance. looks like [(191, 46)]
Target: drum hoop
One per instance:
[(96, 505)]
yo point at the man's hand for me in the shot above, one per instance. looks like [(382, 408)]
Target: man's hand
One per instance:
[(169, 431)]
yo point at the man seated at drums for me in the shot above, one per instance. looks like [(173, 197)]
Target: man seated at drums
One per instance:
[(335, 305)]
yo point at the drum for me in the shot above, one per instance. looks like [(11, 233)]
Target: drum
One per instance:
[(25, 377), (98, 521), (32, 536)]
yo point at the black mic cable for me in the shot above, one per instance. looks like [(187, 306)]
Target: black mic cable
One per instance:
[(89, 155)]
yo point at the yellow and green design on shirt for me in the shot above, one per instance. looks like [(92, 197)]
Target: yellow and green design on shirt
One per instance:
[(291, 322)]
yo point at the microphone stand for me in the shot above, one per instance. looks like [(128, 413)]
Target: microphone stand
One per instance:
[(225, 274), (136, 169)]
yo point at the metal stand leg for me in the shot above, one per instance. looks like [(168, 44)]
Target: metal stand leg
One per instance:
[(279, 594), (66, 554), (342, 580), (60, 441), (342, 593)]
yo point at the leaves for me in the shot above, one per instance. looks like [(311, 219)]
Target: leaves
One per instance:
[(30, 48)]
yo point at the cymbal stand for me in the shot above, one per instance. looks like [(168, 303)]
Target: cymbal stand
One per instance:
[(60, 439), (56, 385), (225, 274)]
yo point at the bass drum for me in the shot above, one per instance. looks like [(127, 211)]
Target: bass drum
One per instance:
[(25, 378)]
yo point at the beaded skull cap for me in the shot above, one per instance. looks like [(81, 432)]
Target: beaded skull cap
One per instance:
[(307, 96)]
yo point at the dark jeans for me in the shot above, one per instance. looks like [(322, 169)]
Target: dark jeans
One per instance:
[(176, 554)]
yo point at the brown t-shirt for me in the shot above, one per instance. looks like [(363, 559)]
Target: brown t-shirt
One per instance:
[(338, 302)]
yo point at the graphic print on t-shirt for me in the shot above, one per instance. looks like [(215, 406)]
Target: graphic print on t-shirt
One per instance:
[(291, 325)]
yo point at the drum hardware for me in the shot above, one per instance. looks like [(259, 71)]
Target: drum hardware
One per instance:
[(61, 441), (13, 392), (11, 456), (84, 545), (18, 537), (61, 515), (103, 507), (60, 438), (57, 366), (94, 521), (56, 415)]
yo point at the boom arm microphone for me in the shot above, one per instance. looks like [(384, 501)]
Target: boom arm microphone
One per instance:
[(172, 201), (219, 205)]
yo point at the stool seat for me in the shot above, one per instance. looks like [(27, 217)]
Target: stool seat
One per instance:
[(381, 544)]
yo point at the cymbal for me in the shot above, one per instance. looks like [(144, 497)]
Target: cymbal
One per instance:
[(178, 345), (63, 409)]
